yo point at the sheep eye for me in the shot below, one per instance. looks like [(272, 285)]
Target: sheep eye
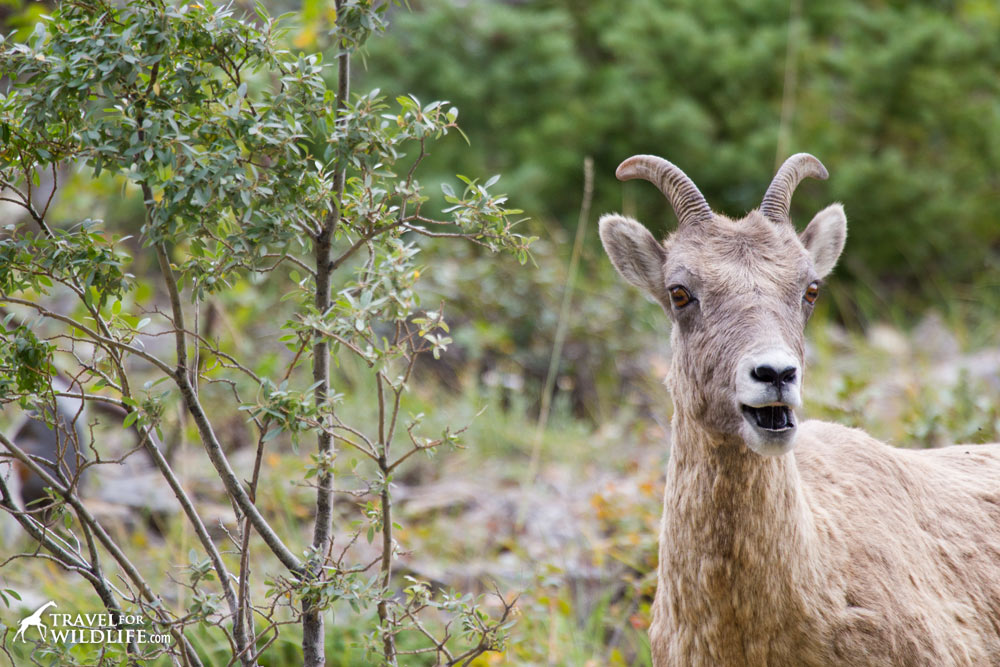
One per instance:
[(812, 293), (680, 297)]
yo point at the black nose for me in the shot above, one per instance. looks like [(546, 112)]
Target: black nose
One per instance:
[(769, 375)]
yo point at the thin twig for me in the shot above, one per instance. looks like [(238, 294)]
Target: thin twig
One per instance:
[(790, 85), (561, 327)]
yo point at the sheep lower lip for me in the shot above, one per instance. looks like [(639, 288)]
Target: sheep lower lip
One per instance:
[(771, 417)]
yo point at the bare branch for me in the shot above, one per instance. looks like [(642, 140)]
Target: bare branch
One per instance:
[(175, 299)]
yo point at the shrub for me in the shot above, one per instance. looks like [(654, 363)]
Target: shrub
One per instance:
[(256, 177)]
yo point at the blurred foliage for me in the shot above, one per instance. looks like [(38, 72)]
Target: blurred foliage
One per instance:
[(915, 391), (505, 327), (18, 17), (899, 99)]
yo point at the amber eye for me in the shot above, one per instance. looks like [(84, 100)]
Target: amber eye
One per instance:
[(812, 292), (680, 297)]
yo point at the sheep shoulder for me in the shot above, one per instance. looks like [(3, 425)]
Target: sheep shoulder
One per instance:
[(912, 539)]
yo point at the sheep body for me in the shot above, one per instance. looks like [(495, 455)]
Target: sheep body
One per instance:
[(845, 551)]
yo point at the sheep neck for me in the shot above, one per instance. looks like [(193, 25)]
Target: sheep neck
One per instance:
[(738, 553)]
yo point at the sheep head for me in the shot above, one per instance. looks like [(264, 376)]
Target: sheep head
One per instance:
[(738, 292)]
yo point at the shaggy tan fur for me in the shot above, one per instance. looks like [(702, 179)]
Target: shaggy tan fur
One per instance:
[(845, 551)]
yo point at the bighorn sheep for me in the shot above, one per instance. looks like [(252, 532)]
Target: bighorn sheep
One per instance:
[(844, 552)]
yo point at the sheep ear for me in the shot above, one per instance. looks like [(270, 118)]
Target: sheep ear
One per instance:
[(637, 255), (824, 238)]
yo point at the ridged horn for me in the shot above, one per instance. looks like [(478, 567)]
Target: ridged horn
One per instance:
[(778, 198), (688, 202)]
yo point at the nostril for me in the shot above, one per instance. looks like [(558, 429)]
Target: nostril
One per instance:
[(769, 375), (764, 374)]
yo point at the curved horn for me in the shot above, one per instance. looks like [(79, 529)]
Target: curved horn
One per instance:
[(778, 197), (688, 202)]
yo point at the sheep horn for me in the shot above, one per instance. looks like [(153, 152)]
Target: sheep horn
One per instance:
[(778, 197), (688, 202)]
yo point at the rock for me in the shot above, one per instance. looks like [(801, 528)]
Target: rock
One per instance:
[(889, 340), (934, 340), (144, 490)]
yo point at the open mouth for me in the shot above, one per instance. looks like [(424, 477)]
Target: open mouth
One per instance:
[(775, 417)]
